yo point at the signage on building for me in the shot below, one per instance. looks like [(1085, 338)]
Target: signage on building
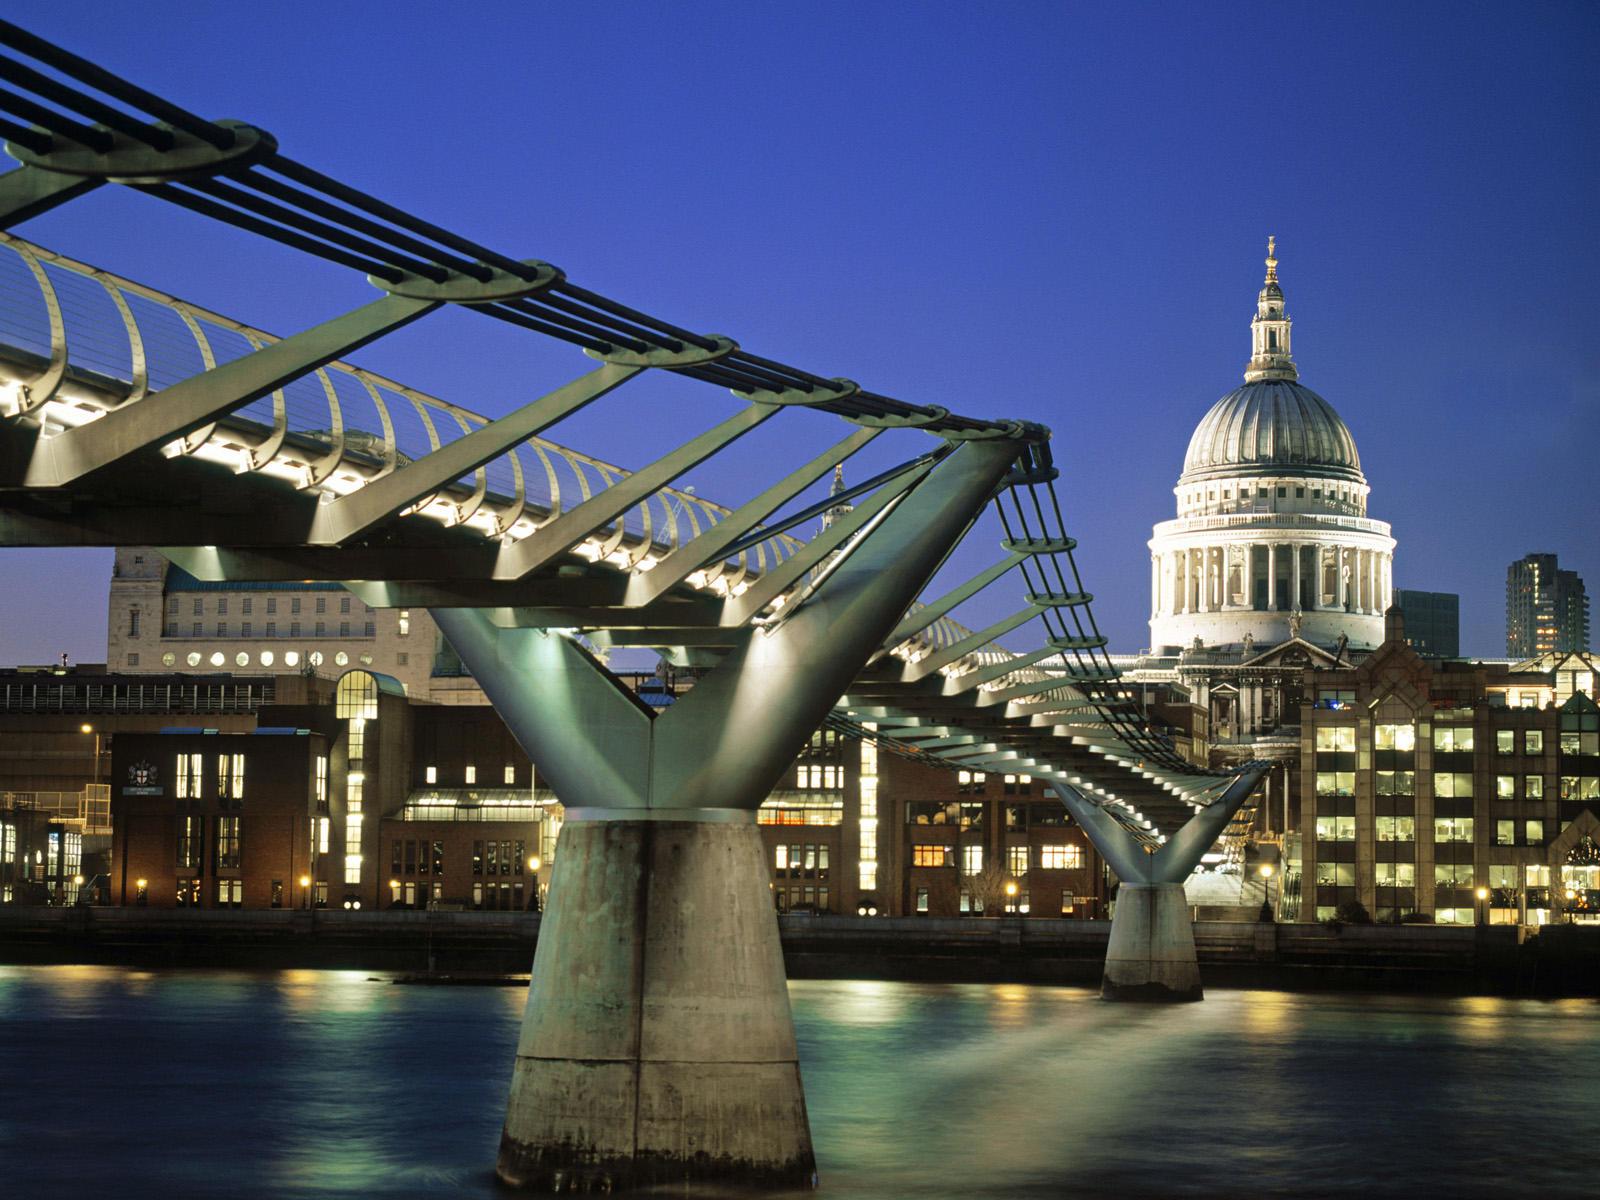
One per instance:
[(143, 780)]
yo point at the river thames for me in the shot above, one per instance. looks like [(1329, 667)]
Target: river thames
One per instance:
[(302, 1084)]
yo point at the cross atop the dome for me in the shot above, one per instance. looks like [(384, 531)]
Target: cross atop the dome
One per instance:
[(1272, 259)]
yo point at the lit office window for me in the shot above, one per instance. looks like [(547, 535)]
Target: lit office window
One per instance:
[(430, 775)]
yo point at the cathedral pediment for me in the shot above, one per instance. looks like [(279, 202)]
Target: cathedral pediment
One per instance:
[(1294, 654)]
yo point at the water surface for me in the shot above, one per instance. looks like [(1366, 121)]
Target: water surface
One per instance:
[(325, 1084)]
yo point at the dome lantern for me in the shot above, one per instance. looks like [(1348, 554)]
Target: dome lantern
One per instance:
[(1269, 329)]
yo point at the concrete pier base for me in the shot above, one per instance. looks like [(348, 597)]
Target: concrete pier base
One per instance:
[(657, 1047), (1151, 956)]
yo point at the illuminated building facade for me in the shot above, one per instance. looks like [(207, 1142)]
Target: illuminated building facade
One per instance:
[(1449, 791), (1547, 609)]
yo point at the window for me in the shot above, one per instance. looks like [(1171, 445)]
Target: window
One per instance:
[(187, 784), (244, 628), (1533, 787), (344, 628), (1534, 833), (230, 893), (1331, 874), (230, 778), (405, 623), (1452, 739), (477, 858), (1505, 741), (1395, 783), (1336, 783), (1452, 784), (510, 774), (321, 629), (228, 843), (1337, 737), (1017, 860), (222, 606), (294, 604), (1397, 829), (1394, 737), (197, 608), (1336, 829), (194, 629), (438, 858), (1396, 874), (322, 604), (922, 900), (222, 629), (1505, 787), (188, 893), (1061, 858), (1452, 829), (972, 859), (472, 775), (344, 604), (1452, 874), (133, 623), (277, 884), (1505, 833), (926, 854), (1533, 741), (430, 775), (1580, 787), (272, 604), (191, 844), (402, 659), (294, 631)]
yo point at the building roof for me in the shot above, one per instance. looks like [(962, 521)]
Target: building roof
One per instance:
[(1272, 427), (179, 580)]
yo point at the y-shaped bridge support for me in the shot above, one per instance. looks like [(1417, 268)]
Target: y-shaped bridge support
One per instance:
[(657, 1046), (1151, 955)]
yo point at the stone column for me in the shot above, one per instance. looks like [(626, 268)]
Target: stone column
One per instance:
[(1272, 577), (1341, 591), (1296, 587), (1208, 576)]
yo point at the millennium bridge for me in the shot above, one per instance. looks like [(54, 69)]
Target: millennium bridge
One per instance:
[(657, 1044)]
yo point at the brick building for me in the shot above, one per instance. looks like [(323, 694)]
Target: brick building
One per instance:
[(1424, 782)]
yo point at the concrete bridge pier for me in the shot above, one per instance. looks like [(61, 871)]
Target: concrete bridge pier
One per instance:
[(657, 1042), (657, 1047), (1151, 954)]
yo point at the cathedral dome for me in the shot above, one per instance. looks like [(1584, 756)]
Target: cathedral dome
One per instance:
[(1272, 427)]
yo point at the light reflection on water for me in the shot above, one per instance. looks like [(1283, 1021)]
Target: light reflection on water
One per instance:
[(302, 1084)]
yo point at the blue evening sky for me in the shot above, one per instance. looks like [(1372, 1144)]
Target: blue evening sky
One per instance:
[(1053, 212)]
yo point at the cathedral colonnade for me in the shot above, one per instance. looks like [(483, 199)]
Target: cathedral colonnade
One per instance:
[(1271, 576)]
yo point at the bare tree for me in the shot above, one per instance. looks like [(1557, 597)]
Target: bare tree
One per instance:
[(987, 887)]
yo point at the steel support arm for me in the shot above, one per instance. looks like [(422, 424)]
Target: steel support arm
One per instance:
[(786, 574), (590, 738), (1176, 860), (973, 642), (519, 559), (29, 191), (689, 557), (915, 622), (382, 498), (201, 399), (740, 726), (1116, 844)]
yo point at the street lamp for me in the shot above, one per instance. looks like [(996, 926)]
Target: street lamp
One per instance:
[(1483, 895), (305, 891), (1572, 895), (1266, 889), (88, 728), (1011, 895)]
